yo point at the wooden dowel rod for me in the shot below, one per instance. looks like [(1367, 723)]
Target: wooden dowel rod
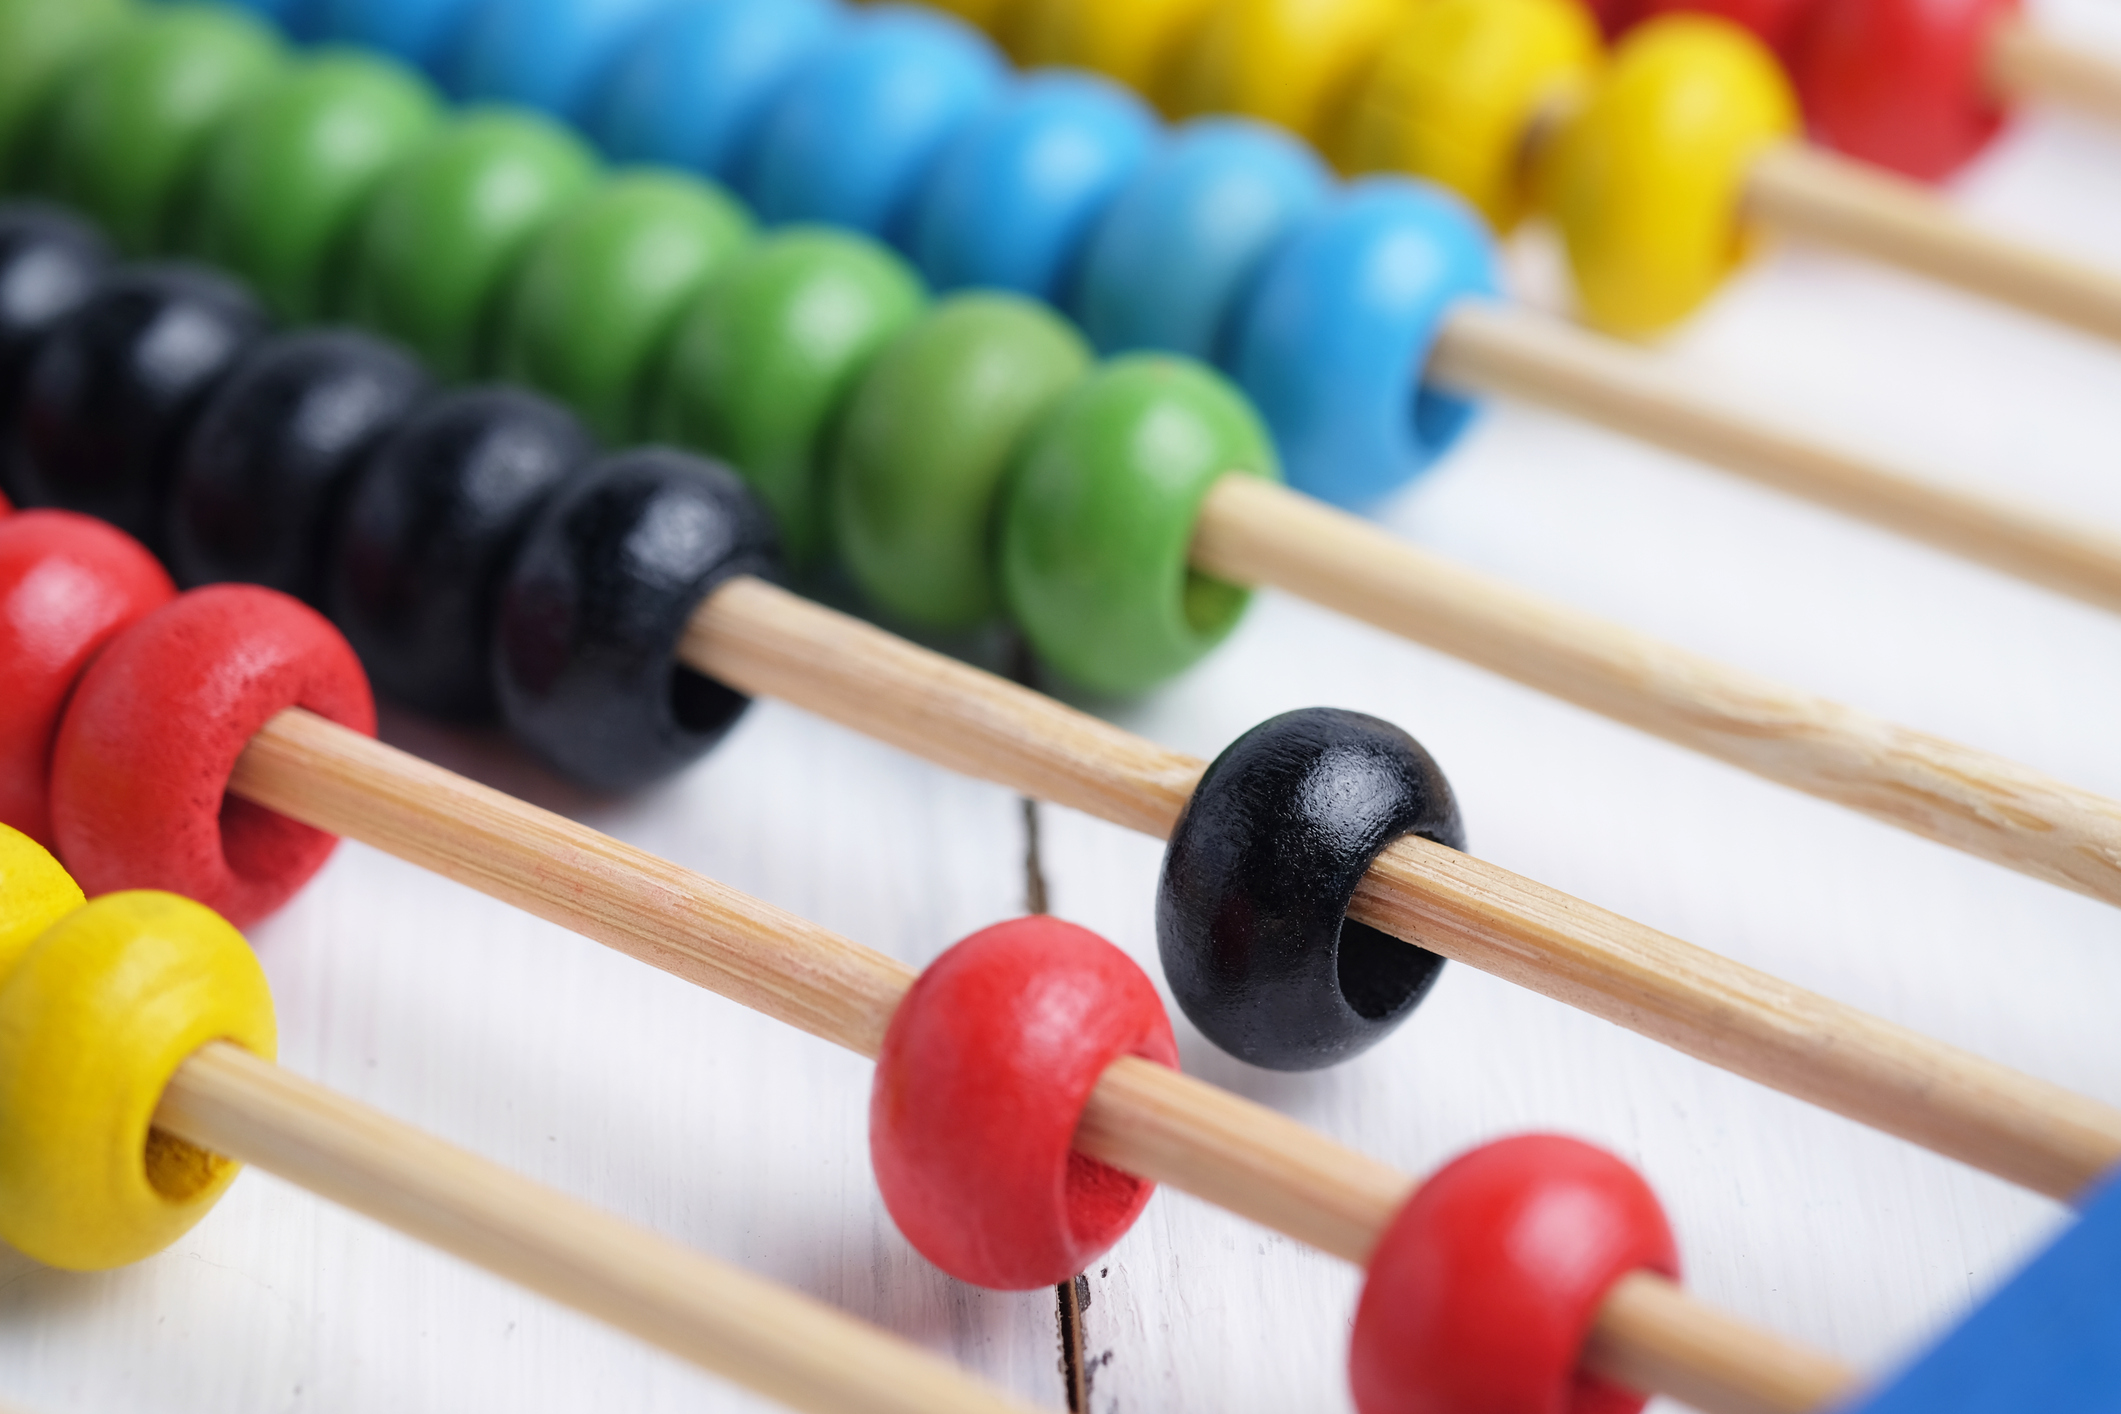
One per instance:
[(1705, 1358), (2025, 63), (771, 643), (1808, 192), (1257, 533), (1513, 353), (792, 1349), (1156, 1123)]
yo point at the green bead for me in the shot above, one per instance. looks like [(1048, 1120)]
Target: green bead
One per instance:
[(603, 286), (445, 228), (770, 352), (1098, 524), (283, 180), (929, 440), (128, 126), (41, 41)]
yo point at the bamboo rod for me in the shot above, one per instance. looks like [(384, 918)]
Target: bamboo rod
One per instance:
[(1707, 1360), (769, 1339), (1254, 532), (768, 642), (1509, 352), (2024, 63), (1807, 192), (1153, 1122)]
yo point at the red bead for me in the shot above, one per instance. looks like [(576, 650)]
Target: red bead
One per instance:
[(140, 775), (986, 1069), (7, 507), (1900, 82), (1775, 22), (68, 584), (1484, 1288)]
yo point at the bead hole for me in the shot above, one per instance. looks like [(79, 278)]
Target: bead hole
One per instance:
[(699, 703), (180, 1171), (1437, 419), (1210, 604), (1380, 975), (1100, 1198)]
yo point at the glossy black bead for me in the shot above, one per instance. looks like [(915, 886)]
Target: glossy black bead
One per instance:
[(115, 386), (258, 487), (1251, 910), (597, 605), (50, 262), (429, 531)]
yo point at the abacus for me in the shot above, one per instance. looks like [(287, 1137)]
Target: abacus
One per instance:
[(1029, 1049), (860, 690)]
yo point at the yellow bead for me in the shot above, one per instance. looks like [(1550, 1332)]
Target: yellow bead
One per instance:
[(1646, 182), (1292, 62), (97, 1016), (1131, 41), (34, 894), (1458, 89)]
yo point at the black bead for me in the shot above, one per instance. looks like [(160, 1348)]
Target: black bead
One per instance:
[(1251, 909), (49, 263), (259, 484), (597, 605), (113, 389), (430, 528)]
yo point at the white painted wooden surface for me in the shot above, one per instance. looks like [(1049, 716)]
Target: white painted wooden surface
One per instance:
[(724, 1131)]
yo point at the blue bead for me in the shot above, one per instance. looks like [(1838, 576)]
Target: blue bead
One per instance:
[(1174, 254), (692, 88), (851, 138), (2050, 1340), (1331, 342), (545, 54), (418, 31), (1018, 191)]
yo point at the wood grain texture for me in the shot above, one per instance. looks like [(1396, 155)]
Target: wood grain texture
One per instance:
[(801, 1353), (1812, 194), (767, 641), (1509, 352)]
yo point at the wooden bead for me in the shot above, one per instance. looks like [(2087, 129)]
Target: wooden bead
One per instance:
[(68, 585), (49, 265), (432, 523), (256, 494), (1482, 1291), (114, 388), (281, 183), (597, 606), (34, 894), (434, 246), (95, 1018), (1647, 181), (1902, 83), (126, 128), (927, 445), (765, 359), (1099, 517), (140, 774), (600, 290), (979, 1089), (1251, 909)]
